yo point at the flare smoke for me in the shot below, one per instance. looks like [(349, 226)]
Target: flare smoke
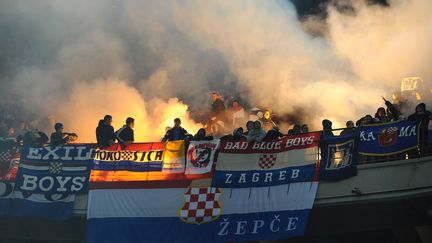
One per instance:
[(79, 60)]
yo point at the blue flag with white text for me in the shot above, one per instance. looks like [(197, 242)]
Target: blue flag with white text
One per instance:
[(388, 138), (48, 179)]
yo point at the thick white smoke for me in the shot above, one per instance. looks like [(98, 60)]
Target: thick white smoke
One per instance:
[(150, 59)]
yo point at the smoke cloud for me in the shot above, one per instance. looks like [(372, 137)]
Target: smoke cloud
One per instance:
[(154, 60)]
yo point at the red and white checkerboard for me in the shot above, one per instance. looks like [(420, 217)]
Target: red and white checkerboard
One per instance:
[(266, 161), (201, 205)]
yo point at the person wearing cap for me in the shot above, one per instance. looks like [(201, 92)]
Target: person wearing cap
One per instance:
[(125, 135)]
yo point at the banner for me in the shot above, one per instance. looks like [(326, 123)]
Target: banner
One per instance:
[(200, 156), (50, 206), (9, 162), (430, 136), (6, 196), (46, 182), (388, 138), (182, 212), (174, 159), (260, 164), (54, 170), (139, 162), (338, 158)]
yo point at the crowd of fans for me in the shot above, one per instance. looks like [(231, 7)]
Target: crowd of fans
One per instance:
[(18, 127), (224, 117)]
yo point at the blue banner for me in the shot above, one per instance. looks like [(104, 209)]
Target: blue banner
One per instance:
[(388, 138), (430, 137), (54, 170), (6, 196), (46, 182), (23, 204), (338, 158), (198, 214), (263, 178), (232, 228)]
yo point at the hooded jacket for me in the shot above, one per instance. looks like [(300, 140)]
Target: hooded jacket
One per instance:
[(104, 133), (256, 135)]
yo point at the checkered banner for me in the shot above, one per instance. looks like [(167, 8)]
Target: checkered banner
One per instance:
[(139, 162), (54, 170), (9, 160)]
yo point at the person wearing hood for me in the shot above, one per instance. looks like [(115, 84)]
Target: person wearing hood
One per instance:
[(105, 135), (420, 113), (304, 128), (249, 127), (125, 135), (274, 133), (201, 136), (237, 134), (257, 134), (327, 129)]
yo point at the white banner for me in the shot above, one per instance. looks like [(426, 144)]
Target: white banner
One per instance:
[(200, 156)]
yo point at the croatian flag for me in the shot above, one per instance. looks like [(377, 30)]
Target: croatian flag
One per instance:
[(186, 210), (277, 162), (179, 211)]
